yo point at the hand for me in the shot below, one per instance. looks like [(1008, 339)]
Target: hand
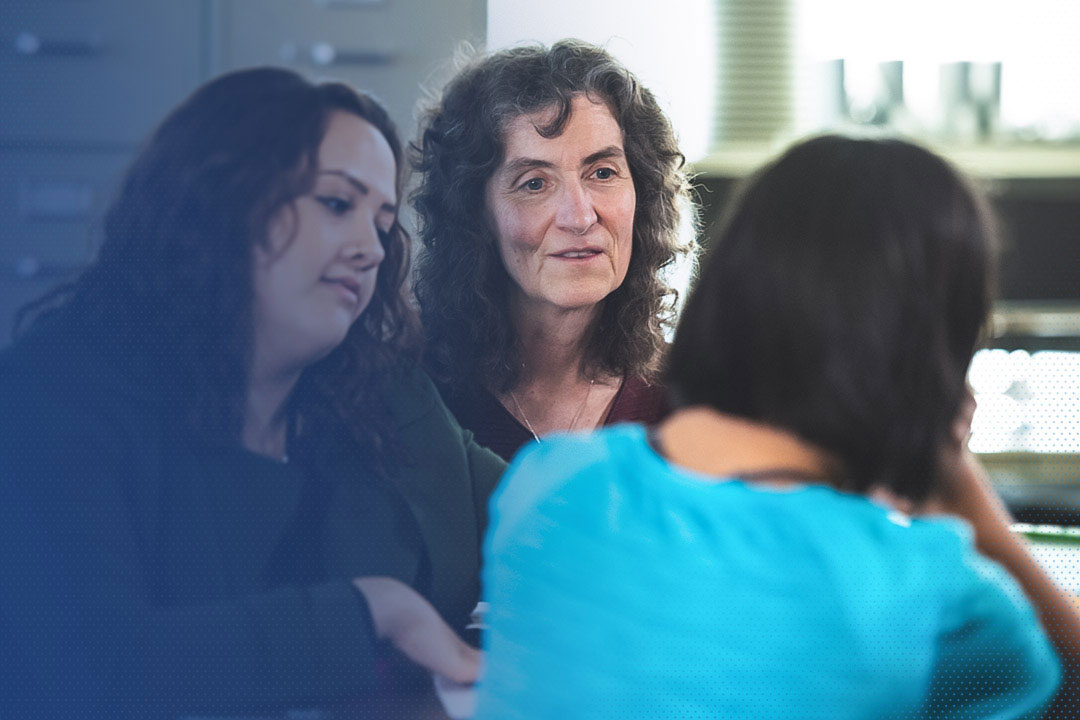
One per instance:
[(402, 616), (964, 489)]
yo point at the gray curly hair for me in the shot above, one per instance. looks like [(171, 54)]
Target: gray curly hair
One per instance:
[(462, 285)]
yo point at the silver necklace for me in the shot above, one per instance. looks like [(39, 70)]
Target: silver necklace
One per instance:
[(573, 423)]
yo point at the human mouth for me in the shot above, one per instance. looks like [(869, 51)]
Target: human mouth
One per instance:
[(578, 254), (348, 287)]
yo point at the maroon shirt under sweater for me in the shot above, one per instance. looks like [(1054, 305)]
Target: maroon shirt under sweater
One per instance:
[(497, 429)]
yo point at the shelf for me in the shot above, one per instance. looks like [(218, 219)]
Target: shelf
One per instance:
[(1031, 468), (997, 162), (1036, 319)]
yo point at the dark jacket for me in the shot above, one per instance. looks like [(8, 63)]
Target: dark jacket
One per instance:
[(120, 590)]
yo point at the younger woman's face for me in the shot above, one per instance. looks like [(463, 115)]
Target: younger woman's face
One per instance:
[(316, 272)]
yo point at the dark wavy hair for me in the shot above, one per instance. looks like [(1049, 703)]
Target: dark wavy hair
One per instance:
[(172, 284), (461, 283), (843, 300)]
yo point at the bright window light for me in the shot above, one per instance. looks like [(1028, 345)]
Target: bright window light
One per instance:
[(1035, 45), (671, 47), (1026, 402)]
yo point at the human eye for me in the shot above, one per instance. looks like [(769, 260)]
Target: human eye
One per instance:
[(604, 173), (336, 205), (533, 184)]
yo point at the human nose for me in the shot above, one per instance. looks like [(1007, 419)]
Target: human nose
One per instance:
[(576, 213), (365, 247)]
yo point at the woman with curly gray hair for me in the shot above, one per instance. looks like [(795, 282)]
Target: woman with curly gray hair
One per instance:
[(549, 204)]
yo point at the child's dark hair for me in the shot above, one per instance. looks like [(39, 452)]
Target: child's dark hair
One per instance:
[(842, 300)]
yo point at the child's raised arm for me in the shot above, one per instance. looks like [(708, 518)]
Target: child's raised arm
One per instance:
[(966, 492)]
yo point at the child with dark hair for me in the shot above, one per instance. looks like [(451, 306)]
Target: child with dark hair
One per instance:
[(766, 551)]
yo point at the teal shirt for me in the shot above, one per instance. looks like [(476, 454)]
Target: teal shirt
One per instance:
[(624, 587)]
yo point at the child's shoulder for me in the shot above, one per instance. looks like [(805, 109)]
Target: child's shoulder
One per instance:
[(951, 536), (969, 580)]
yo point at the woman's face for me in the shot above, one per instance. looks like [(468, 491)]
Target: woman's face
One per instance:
[(562, 208), (316, 271)]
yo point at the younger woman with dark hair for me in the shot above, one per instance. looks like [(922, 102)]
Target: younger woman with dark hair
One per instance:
[(224, 481), (756, 555)]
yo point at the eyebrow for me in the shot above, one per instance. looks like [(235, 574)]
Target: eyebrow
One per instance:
[(361, 187), (611, 151), (515, 167)]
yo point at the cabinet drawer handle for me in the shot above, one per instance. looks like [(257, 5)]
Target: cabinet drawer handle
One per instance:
[(326, 54), (30, 269), (29, 44)]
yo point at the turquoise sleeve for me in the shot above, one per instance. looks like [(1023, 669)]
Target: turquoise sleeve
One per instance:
[(994, 660)]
